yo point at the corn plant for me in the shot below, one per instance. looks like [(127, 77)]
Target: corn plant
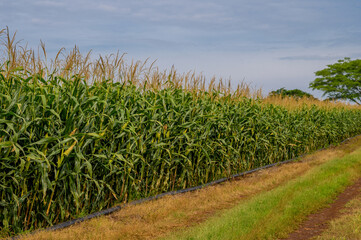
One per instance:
[(78, 136), (69, 148)]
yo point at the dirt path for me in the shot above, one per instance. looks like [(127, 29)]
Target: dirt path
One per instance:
[(316, 223)]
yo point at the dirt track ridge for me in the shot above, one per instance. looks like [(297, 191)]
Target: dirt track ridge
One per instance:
[(318, 222)]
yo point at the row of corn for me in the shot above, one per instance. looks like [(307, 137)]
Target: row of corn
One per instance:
[(68, 148)]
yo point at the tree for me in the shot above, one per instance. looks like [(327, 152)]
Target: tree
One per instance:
[(296, 93), (341, 80)]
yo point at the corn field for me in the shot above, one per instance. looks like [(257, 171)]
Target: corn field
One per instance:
[(69, 147)]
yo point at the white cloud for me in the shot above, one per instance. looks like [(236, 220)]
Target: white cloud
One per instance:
[(309, 57), (37, 20), (107, 8), (47, 3)]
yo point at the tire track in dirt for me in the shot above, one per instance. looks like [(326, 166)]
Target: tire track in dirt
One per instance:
[(318, 222)]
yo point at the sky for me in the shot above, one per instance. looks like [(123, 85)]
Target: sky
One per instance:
[(268, 43)]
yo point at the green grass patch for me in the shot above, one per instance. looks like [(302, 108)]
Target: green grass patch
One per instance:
[(274, 214)]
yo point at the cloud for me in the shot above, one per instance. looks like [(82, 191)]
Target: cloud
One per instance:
[(309, 58), (108, 8), (39, 21), (47, 3)]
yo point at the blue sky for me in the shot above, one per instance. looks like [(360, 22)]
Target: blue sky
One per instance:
[(270, 43)]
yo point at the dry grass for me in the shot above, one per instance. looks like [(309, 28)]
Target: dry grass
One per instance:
[(158, 218), (293, 103)]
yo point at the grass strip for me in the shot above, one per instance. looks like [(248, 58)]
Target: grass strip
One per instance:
[(275, 213)]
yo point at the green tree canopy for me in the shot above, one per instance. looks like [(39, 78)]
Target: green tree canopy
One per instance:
[(341, 80), (296, 93)]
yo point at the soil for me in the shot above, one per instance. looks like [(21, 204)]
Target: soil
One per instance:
[(318, 222)]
